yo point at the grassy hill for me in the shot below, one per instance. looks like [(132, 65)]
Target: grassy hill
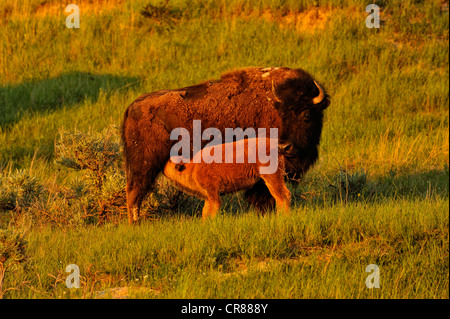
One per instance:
[(378, 194)]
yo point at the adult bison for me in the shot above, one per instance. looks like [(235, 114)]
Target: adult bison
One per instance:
[(283, 98)]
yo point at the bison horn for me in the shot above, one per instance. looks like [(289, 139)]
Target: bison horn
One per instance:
[(274, 93), (321, 95)]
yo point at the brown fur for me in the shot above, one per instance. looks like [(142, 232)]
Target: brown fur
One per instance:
[(252, 97), (209, 180)]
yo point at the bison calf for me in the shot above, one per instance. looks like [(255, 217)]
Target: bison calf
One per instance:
[(229, 173)]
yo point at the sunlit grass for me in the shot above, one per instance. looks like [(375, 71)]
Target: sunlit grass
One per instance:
[(388, 120), (314, 253)]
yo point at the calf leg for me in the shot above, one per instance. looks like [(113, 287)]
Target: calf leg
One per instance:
[(209, 189), (205, 210), (277, 187), (212, 205)]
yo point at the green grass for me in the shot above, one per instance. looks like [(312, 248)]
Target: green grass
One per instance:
[(389, 118), (318, 252)]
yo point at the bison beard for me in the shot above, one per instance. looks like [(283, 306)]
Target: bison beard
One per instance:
[(283, 98)]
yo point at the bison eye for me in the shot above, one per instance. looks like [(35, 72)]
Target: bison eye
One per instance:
[(307, 116)]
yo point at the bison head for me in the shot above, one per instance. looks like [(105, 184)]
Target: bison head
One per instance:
[(300, 102)]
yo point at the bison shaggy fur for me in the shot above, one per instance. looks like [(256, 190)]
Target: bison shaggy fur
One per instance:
[(241, 170), (283, 98)]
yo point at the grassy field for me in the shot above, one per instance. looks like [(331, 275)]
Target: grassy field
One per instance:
[(379, 193)]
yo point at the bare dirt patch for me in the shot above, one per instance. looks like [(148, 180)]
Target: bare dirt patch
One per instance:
[(123, 292), (309, 21), (86, 7)]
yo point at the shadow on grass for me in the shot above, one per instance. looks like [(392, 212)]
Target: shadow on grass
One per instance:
[(66, 90), (319, 193)]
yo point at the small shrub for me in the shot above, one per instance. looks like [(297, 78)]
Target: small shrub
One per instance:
[(12, 254), (161, 12), (19, 190), (93, 152), (97, 192), (100, 186), (160, 17)]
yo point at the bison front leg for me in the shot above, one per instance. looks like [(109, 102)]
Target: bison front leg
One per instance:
[(260, 198)]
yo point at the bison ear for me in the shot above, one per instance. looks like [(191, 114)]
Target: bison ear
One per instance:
[(180, 167)]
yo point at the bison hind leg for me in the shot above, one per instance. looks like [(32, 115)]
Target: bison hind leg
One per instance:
[(138, 186), (260, 198), (145, 159), (135, 194)]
